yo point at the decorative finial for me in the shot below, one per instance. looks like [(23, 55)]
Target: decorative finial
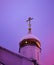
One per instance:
[(29, 24)]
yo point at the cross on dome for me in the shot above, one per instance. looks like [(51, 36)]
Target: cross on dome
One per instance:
[(29, 24)]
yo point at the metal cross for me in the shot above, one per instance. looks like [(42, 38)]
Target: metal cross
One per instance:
[(29, 20)]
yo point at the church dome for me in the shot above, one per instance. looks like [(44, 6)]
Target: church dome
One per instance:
[(31, 40)]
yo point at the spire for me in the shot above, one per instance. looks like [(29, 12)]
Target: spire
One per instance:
[(29, 24)]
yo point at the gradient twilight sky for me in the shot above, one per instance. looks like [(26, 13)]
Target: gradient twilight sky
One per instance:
[(14, 13)]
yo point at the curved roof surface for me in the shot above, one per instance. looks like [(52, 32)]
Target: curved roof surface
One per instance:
[(29, 36), (31, 40)]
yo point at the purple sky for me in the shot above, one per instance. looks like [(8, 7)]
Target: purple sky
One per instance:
[(14, 13)]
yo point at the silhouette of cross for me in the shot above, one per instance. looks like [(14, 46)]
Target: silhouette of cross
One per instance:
[(29, 21)]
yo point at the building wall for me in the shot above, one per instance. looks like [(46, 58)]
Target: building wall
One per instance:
[(31, 52), (9, 58)]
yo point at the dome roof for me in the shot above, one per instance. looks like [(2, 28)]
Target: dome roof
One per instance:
[(31, 40), (29, 36)]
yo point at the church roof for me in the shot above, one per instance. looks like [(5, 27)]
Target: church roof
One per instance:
[(8, 57), (29, 39), (29, 36)]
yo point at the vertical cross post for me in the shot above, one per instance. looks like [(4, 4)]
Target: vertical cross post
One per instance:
[(29, 24)]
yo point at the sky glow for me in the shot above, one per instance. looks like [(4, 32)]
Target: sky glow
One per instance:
[(13, 25)]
